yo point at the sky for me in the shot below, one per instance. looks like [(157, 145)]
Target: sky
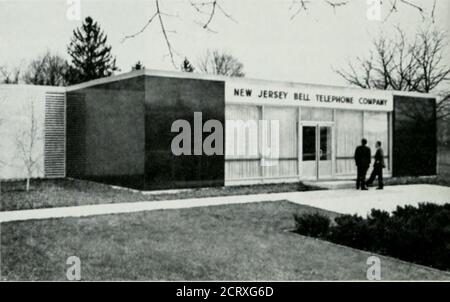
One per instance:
[(262, 33)]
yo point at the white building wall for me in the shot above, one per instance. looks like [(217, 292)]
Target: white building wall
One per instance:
[(20, 107)]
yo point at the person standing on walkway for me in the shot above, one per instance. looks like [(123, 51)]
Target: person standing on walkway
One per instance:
[(362, 160), (378, 167)]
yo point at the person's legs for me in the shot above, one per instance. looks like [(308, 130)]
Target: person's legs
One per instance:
[(372, 177), (363, 178), (380, 178), (358, 177)]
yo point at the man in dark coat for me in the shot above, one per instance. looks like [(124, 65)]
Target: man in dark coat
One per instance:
[(378, 167), (362, 160)]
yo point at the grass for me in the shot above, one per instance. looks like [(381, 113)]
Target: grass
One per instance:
[(68, 192), (440, 180), (238, 242), (444, 180)]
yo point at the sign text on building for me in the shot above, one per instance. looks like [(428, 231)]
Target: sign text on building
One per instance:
[(342, 98)]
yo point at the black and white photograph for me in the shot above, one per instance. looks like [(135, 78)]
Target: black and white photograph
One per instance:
[(250, 141)]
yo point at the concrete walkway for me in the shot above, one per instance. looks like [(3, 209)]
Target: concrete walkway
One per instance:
[(347, 201)]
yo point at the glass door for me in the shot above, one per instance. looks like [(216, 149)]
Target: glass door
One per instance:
[(317, 151), (325, 161), (309, 156)]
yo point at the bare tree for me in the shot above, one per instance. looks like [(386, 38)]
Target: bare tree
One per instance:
[(27, 142), (9, 75), (216, 62), (443, 108), (48, 69), (404, 64), (444, 121), (2, 101), (392, 6), (208, 10)]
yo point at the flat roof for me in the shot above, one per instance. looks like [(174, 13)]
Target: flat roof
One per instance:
[(235, 80), (210, 77), (34, 87)]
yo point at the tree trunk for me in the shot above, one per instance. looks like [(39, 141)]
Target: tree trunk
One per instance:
[(28, 184)]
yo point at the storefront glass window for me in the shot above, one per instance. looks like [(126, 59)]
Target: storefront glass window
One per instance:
[(285, 119), (349, 132), (376, 129), (242, 131), (242, 142)]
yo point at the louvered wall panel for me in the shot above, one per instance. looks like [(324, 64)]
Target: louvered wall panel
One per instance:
[(55, 133)]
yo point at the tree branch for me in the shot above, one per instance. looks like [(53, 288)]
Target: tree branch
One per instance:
[(142, 30), (158, 14), (416, 65)]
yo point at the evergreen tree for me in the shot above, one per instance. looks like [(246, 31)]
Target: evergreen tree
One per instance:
[(91, 56), (186, 66), (137, 66)]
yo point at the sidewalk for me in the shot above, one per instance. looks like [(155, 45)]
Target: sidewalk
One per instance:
[(347, 201)]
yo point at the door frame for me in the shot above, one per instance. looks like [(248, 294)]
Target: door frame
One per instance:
[(317, 125)]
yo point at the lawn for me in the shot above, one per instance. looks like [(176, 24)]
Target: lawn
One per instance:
[(69, 192), (233, 242)]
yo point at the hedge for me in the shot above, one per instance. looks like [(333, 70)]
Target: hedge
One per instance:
[(415, 234)]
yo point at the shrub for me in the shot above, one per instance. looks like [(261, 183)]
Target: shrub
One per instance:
[(315, 225), (417, 234), (350, 230), (421, 235)]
